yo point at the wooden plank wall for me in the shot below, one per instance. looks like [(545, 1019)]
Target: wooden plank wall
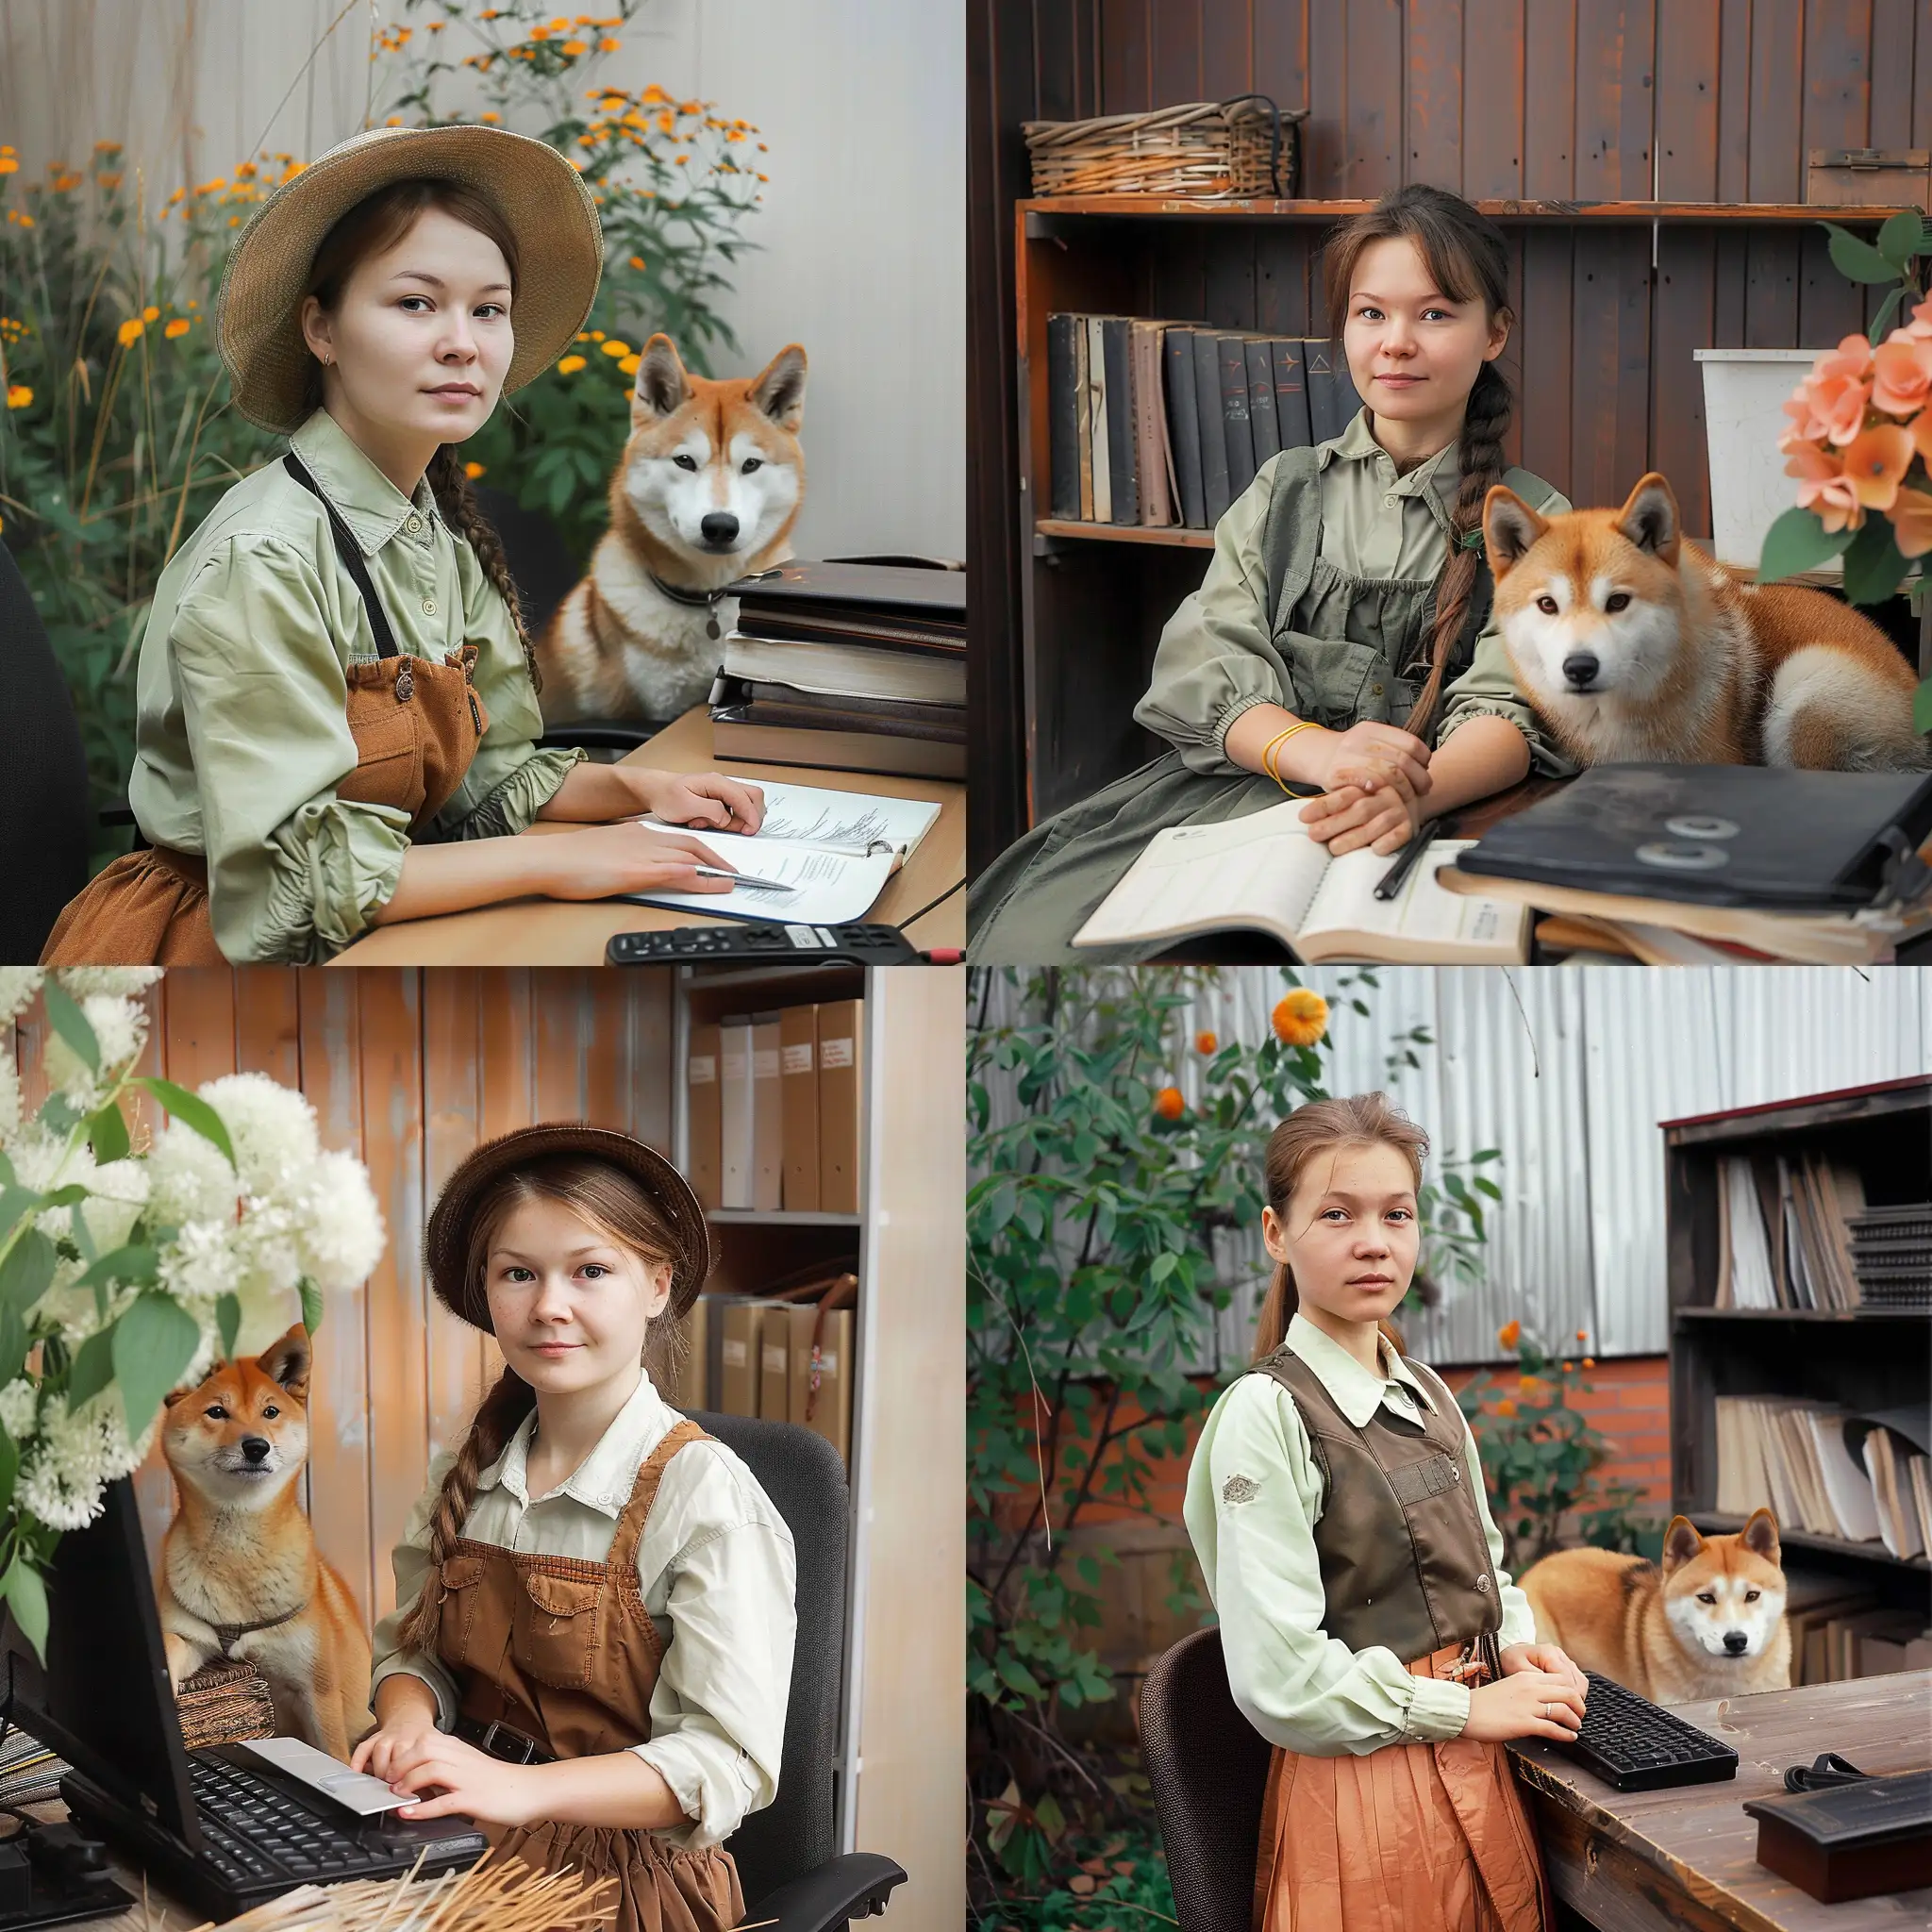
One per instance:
[(1685, 100), (409, 1071)]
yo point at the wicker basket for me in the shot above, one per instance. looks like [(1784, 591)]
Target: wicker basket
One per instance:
[(1205, 150), (224, 1704)]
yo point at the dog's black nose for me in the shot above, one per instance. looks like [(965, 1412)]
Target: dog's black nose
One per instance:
[(1736, 1643), (719, 527), (255, 1447), (1580, 668)]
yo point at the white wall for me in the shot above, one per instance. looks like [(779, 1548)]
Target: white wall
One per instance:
[(862, 255)]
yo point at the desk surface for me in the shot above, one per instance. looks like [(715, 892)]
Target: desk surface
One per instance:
[(557, 932), (1633, 1860)]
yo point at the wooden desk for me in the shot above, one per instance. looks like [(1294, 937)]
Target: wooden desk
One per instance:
[(1654, 1861), (559, 932)]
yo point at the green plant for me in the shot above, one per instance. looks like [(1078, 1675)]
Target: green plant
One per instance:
[(1118, 1879), (1539, 1455)]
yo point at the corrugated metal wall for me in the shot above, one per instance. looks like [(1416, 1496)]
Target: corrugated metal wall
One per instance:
[(1569, 1074)]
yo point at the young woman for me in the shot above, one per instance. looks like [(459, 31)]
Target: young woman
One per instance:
[(336, 703), (590, 1653), (1371, 1634), (1341, 641)]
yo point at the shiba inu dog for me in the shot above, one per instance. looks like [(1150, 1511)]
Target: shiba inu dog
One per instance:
[(1637, 648), (239, 1573), (706, 491), (1710, 1622)]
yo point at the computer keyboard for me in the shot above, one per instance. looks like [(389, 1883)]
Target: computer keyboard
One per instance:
[(1634, 1744), (251, 1829)]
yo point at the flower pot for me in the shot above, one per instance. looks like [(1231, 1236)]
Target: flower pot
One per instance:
[(1744, 394)]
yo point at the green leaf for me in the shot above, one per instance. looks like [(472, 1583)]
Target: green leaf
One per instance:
[(27, 1595), (133, 1266), (311, 1305), (1798, 542), (1016, 1676), (153, 1343), (1921, 708), (1873, 564), (71, 1024), (190, 1110), (107, 1134), (1901, 238), (228, 1319), (1858, 261), (1886, 310), (94, 1368), (26, 1271), (10, 1468)]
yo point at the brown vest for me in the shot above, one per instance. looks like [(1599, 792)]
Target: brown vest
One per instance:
[(1404, 1559)]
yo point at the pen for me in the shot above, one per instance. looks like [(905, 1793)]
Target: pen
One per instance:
[(741, 878), (1390, 882)]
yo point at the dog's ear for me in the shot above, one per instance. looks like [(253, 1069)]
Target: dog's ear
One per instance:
[(662, 386), (1510, 528), (1681, 1543), (778, 389), (174, 1395), (1761, 1535), (286, 1361), (1649, 518)]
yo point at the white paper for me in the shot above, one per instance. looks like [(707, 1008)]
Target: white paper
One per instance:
[(355, 1790)]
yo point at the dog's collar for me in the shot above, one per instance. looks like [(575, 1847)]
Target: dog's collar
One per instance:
[(227, 1635), (692, 600)]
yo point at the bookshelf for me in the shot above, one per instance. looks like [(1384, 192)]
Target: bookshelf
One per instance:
[(905, 1637), (1094, 597), (1864, 1359)]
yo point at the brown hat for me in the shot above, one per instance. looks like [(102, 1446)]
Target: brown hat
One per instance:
[(447, 1244), (541, 197)]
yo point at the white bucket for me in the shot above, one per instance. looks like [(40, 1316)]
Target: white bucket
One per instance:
[(1744, 394)]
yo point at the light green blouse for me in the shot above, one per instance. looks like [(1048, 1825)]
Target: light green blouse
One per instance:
[(242, 732), (1214, 660), (1300, 1688)]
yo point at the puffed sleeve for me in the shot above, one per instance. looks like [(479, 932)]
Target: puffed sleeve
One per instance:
[(294, 871), (410, 1561), (1253, 1499), (510, 779), (1215, 658)]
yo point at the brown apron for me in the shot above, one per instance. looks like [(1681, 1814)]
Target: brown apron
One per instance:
[(416, 725), (1422, 1836), (563, 1652)]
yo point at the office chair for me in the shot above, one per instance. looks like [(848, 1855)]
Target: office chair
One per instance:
[(786, 1857), (1208, 1767), (43, 815)]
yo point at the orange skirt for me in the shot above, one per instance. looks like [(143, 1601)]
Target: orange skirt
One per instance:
[(658, 1889), (1412, 1838), (147, 908)]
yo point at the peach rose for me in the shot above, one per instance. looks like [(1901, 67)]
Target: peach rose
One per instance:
[(1920, 327), (1823, 487), (1902, 374), (1877, 461), (1911, 522), (1838, 389)]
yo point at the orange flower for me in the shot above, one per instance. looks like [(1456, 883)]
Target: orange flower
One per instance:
[(489, 120), (1204, 1042), (1902, 374), (609, 45), (1875, 460), (570, 365), (1920, 328), (1839, 389), (1583, 1335), (1300, 1018), (1589, 1362), (1509, 1334), (614, 348), (574, 48), (1911, 522), (1823, 487), (178, 327), (629, 364), (1506, 1407), (473, 471), (1169, 1105), (18, 395), (130, 331), (9, 165), (150, 313), (1528, 1385), (637, 261)]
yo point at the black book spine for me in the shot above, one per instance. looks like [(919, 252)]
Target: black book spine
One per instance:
[(1233, 367), (1062, 417), (1261, 420), (1183, 424), (1291, 392), (1213, 438), (1320, 380), (1122, 457)]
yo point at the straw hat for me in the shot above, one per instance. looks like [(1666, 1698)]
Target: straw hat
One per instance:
[(447, 1244), (541, 197)]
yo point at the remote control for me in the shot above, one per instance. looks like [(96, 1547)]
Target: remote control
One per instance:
[(763, 943)]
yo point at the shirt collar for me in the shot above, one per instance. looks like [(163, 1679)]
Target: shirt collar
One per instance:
[(1357, 1394), (372, 506), (605, 1477), (1357, 443)]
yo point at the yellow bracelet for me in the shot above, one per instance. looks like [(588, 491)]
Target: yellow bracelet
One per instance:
[(1269, 752)]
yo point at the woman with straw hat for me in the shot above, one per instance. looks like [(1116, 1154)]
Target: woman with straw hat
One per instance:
[(336, 701)]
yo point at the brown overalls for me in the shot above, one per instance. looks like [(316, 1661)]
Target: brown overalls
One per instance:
[(416, 725), (1428, 1837), (563, 1653)]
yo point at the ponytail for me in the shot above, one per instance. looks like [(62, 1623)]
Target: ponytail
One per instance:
[(450, 484)]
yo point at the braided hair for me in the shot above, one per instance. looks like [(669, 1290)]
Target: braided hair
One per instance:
[(1467, 258), (449, 482)]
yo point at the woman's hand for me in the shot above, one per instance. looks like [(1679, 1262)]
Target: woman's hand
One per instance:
[(1372, 804), (1544, 1657), (700, 798), (466, 1780), (401, 1741), (1525, 1703), (1371, 744), (602, 860)]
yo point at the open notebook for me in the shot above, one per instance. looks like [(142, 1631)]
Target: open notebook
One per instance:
[(828, 855), (1264, 871)]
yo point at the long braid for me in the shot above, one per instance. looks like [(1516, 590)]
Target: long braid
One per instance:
[(450, 483), (498, 1416), (1485, 424)]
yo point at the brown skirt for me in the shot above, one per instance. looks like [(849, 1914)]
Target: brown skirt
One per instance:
[(660, 1889), (147, 908), (1412, 1838)]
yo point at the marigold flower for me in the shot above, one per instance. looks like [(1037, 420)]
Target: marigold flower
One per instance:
[(1204, 1042), (1583, 1335), (109, 180), (615, 349), (1876, 461), (1506, 1407), (596, 335), (1509, 1334), (130, 331), (609, 45), (1169, 1105), (1589, 1362), (1528, 1385), (474, 470), (637, 261), (570, 365), (1911, 522), (18, 395), (1300, 1018), (629, 364), (178, 327), (490, 118), (574, 48)]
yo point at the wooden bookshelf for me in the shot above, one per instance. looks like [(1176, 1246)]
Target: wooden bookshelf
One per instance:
[(1861, 1358)]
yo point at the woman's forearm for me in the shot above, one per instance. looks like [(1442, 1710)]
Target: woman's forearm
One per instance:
[(593, 794), (1483, 757), (617, 1791), (1251, 734), (399, 1692), (466, 874)]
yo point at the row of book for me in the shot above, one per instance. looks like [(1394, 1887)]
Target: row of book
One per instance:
[(1162, 422), (1825, 1470), (1785, 1232), (1839, 1631), (1891, 1252), (856, 666), (773, 1108)]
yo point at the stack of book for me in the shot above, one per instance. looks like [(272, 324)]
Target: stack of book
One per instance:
[(1785, 1232), (1839, 1631), (1892, 1256), (860, 666), (1161, 422)]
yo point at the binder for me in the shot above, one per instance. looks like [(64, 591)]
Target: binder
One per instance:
[(687, 1389), (702, 1091), (798, 1070), (775, 1363), (768, 1115), (734, 1112), (739, 1319), (826, 1408), (841, 1053)]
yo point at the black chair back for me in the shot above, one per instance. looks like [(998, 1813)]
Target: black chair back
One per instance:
[(540, 562), (1208, 1767), (43, 809), (805, 1478)]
